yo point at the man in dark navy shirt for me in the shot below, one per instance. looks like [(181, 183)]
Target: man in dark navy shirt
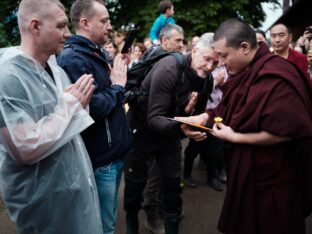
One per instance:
[(109, 138)]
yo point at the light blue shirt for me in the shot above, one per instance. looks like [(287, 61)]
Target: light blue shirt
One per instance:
[(158, 24)]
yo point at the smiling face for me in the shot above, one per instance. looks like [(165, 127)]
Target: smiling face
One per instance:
[(235, 60), (204, 61)]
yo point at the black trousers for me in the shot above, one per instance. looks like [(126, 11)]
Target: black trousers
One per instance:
[(168, 158), (211, 150)]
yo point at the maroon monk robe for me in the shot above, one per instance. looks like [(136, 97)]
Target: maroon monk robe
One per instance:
[(300, 60), (262, 194)]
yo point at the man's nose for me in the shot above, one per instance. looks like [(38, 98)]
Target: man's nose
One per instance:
[(179, 46), (109, 26), (276, 39), (221, 61), (67, 33), (209, 66)]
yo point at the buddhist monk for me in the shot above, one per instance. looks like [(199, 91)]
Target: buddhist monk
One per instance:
[(266, 110)]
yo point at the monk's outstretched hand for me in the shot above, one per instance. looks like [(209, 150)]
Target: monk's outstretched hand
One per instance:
[(223, 132)]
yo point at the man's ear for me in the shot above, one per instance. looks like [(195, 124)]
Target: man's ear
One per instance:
[(194, 49), (35, 26), (163, 41), (290, 37), (246, 47), (84, 23)]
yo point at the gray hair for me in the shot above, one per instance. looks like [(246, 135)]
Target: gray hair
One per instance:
[(166, 31), (206, 40)]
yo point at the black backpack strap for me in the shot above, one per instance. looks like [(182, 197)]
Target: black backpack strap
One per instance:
[(137, 73), (181, 64), (210, 85)]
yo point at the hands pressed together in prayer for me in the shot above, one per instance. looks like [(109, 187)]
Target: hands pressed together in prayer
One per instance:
[(119, 71), (82, 89)]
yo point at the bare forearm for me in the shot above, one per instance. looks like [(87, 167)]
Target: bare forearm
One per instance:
[(226, 133), (260, 138)]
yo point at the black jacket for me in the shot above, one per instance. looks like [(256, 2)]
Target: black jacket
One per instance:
[(168, 96)]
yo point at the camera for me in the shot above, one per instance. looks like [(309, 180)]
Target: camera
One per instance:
[(308, 29)]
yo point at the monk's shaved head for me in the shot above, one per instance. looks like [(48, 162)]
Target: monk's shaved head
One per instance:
[(235, 31), (30, 9)]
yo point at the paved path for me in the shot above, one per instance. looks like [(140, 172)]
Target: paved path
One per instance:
[(201, 206)]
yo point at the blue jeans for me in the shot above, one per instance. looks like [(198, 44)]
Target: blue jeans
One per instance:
[(108, 179)]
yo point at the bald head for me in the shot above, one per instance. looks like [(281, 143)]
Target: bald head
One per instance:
[(280, 25), (30, 9), (280, 38), (235, 32)]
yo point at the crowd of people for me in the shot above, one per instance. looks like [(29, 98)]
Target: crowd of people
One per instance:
[(66, 137)]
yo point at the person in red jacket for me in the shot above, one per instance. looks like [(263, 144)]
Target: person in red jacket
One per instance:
[(280, 38)]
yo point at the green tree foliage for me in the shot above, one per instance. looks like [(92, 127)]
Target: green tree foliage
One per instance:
[(196, 17), (9, 34), (8, 25)]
